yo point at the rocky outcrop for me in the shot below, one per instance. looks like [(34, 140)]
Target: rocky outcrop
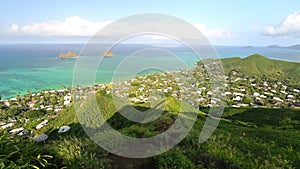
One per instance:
[(69, 54)]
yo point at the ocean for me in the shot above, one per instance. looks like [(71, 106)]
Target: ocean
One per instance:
[(36, 67)]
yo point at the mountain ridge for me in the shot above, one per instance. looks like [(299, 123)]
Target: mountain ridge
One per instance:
[(258, 65), (296, 46)]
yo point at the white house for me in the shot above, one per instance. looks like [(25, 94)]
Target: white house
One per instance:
[(42, 124), (6, 102), (237, 98), (256, 94), (284, 87), (296, 90), (7, 125), (274, 91), (13, 99), (263, 96), (1, 123), (284, 92), (17, 130), (277, 99), (238, 94), (67, 99)]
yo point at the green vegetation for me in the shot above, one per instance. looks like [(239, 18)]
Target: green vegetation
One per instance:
[(247, 137), (258, 65), (20, 152)]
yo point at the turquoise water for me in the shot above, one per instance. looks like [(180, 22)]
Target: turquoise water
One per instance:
[(35, 67)]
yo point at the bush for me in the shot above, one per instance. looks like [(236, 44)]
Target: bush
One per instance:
[(19, 152), (34, 114)]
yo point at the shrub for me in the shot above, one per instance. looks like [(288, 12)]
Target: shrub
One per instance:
[(19, 152)]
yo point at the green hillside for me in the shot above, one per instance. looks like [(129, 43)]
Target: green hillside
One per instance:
[(246, 138), (258, 65)]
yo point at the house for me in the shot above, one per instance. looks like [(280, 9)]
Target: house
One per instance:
[(135, 100), (274, 91), (263, 96), (243, 105), (284, 92), (42, 124), (237, 98), (296, 105), (277, 99), (1, 123), (7, 125), (67, 99), (13, 99), (30, 104), (41, 138), (284, 87), (24, 132), (238, 94), (17, 130), (255, 94), (6, 102)]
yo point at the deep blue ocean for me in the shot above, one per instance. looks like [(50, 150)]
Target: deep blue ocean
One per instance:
[(35, 67)]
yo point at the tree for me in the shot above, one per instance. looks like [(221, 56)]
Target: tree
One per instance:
[(34, 114), (247, 100)]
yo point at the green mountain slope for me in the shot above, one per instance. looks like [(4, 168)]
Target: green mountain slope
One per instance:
[(245, 138), (258, 65)]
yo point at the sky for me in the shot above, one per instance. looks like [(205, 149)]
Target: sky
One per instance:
[(223, 22)]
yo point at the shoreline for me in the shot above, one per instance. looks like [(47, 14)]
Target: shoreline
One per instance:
[(199, 96)]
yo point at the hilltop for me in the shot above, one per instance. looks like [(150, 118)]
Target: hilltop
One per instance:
[(258, 65)]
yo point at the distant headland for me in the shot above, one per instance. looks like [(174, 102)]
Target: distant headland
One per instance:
[(295, 47), (69, 54)]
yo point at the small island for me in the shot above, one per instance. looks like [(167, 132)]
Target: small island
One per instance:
[(108, 54), (69, 54)]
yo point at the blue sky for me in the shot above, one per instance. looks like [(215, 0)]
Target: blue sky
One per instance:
[(229, 22)]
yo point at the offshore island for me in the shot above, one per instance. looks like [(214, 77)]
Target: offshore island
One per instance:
[(69, 54)]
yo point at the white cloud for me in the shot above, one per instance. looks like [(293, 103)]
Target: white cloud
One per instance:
[(71, 26), (289, 27), (214, 33), (76, 26)]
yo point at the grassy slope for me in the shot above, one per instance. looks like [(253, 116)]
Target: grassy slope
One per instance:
[(257, 65), (245, 138)]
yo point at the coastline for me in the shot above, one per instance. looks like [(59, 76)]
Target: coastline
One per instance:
[(280, 93), (41, 70)]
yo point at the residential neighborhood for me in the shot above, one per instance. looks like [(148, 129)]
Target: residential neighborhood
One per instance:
[(192, 86)]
